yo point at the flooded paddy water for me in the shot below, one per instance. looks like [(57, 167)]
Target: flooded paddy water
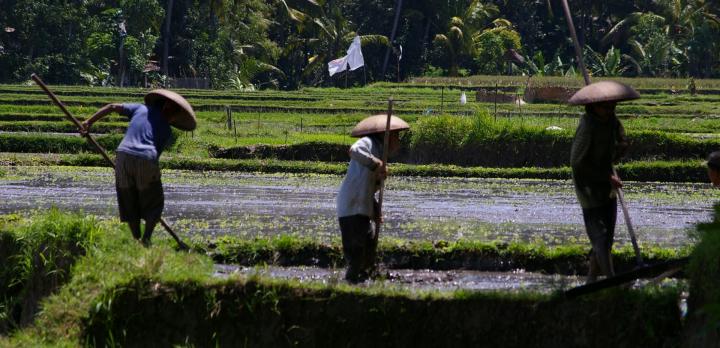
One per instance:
[(431, 280), (212, 204)]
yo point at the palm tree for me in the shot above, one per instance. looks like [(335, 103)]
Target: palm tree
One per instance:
[(458, 40), (456, 44), (678, 22)]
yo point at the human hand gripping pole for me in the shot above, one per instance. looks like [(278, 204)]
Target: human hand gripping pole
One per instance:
[(386, 141), (85, 133)]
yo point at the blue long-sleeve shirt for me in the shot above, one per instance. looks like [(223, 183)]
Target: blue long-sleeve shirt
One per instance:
[(147, 134)]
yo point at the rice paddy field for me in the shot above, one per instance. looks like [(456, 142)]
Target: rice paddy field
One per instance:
[(264, 167)]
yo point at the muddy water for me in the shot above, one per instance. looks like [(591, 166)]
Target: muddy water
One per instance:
[(417, 279), (428, 280), (218, 203)]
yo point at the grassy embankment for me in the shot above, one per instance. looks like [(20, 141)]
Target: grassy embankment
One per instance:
[(118, 293), (441, 255)]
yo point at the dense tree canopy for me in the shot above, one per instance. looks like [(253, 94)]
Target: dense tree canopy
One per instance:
[(287, 43)]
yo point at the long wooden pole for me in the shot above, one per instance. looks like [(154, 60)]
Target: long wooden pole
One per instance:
[(621, 196), (97, 147), (576, 43), (640, 272), (386, 144)]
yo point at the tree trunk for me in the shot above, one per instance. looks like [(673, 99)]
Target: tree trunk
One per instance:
[(166, 39), (398, 9), (425, 40), (121, 65)]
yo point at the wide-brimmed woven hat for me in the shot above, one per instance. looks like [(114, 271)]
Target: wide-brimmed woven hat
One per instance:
[(376, 124), (186, 119), (603, 91)]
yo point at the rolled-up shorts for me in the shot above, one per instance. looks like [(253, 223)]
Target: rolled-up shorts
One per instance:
[(139, 189)]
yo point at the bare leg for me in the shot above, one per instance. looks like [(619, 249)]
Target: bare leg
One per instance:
[(135, 228), (593, 268), (149, 227), (604, 259)]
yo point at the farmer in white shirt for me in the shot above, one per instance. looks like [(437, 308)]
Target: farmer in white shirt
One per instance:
[(356, 204)]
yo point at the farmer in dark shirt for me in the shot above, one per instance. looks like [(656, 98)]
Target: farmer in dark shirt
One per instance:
[(599, 142), (137, 171), (713, 167)]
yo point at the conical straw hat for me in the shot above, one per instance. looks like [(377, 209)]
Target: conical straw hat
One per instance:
[(603, 91), (186, 119), (376, 124)]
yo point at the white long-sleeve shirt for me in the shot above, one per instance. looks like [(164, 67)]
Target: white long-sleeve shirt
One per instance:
[(357, 191)]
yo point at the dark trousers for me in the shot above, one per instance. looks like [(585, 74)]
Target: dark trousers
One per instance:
[(139, 192), (600, 228), (359, 247)]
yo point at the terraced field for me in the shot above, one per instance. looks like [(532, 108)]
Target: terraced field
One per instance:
[(306, 131), (479, 206)]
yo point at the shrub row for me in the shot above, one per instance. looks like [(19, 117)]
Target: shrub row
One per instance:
[(478, 141), (675, 171), (28, 143), (60, 127)]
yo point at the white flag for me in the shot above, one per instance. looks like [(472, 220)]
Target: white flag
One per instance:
[(354, 58), (337, 65)]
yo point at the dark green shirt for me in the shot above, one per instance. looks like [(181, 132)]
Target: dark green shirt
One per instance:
[(591, 158)]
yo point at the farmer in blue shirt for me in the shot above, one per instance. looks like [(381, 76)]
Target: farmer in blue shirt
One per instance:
[(137, 171)]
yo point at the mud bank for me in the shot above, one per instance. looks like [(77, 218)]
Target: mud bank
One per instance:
[(261, 313), (460, 255), (120, 293), (36, 258)]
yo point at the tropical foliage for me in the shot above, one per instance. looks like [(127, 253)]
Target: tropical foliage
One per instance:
[(248, 44)]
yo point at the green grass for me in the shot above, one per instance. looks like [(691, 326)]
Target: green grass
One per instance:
[(111, 258), (641, 83), (398, 253)]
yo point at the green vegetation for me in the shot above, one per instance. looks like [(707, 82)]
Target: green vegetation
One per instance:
[(37, 256), (667, 171), (287, 44), (305, 125), (704, 300), (82, 257), (462, 254), (42, 143), (119, 293)]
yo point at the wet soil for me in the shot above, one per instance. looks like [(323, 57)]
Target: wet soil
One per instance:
[(428, 280), (242, 204)]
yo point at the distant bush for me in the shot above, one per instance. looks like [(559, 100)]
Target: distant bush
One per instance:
[(478, 140)]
